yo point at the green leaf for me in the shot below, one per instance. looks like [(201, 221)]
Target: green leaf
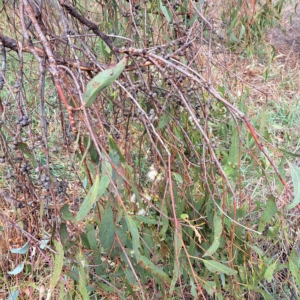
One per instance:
[(269, 272), (166, 12), (58, 264), (221, 90), (214, 266), (295, 172), (287, 153), (165, 221), (103, 49), (107, 228), (178, 246), (210, 287), (193, 288), (94, 154), (184, 216), (66, 214), (164, 120), (242, 31), (294, 266), (192, 20), (178, 178), (278, 127), (96, 191), (233, 38), (243, 273), (149, 266), (273, 230), (83, 277), (268, 213), (130, 277), (234, 147), (90, 199), (84, 241), (217, 234), (263, 118), (113, 145), (134, 235), (22, 250), (146, 220), (17, 270), (91, 237), (63, 233), (101, 81)]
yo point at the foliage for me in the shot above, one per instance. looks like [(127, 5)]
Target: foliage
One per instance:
[(130, 166)]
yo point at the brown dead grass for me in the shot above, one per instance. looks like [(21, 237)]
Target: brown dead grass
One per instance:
[(286, 40)]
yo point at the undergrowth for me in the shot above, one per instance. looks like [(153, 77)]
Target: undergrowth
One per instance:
[(172, 175)]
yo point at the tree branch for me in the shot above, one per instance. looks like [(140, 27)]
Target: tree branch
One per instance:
[(73, 12)]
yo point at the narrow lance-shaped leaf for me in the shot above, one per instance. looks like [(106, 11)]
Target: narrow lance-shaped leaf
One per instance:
[(214, 266), (90, 235), (293, 266), (269, 272), (234, 147), (166, 12), (58, 264), (287, 153), (295, 172), (178, 246), (89, 200), (83, 277), (101, 81), (96, 191), (17, 270), (22, 250), (134, 235), (107, 228), (217, 234), (149, 266)]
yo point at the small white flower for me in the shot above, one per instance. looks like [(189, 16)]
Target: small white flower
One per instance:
[(148, 197), (133, 198), (141, 212), (152, 173)]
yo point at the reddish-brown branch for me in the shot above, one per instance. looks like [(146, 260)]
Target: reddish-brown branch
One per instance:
[(63, 98)]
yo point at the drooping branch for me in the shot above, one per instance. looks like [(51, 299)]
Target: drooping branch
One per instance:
[(73, 12), (52, 65), (13, 45)]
